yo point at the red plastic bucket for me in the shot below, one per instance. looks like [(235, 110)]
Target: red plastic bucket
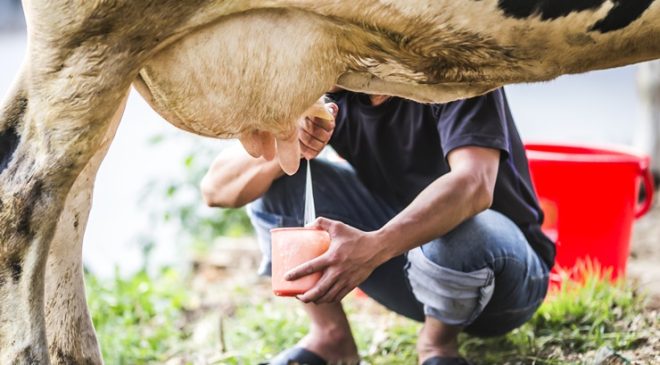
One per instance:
[(589, 196)]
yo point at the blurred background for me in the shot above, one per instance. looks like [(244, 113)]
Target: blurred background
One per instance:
[(150, 233)]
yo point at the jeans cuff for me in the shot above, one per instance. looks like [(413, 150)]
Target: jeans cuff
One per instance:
[(454, 297)]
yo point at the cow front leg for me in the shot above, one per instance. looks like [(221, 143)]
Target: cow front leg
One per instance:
[(71, 336), (52, 131), (22, 334)]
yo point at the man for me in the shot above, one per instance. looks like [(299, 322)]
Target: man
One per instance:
[(435, 218)]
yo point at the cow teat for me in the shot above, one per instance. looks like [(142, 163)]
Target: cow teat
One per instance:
[(264, 144), (285, 147), (288, 153), (259, 143), (288, 148)]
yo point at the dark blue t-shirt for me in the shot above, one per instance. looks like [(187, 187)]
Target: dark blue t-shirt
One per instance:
[(400, 147)]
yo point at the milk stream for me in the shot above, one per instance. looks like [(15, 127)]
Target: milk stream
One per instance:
[(310, 213)]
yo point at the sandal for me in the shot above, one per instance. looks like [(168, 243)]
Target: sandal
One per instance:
[(437, 360), (296, 356)]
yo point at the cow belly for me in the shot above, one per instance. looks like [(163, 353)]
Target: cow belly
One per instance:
[(260, 70), (253, 71)]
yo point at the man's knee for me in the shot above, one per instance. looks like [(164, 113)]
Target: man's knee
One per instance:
[(475, 243), (454, 276), (450, 275)]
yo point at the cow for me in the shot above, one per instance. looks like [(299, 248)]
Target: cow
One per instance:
[(246, 69)]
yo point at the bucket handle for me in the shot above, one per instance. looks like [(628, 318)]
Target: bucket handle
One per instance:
[(647, 178)]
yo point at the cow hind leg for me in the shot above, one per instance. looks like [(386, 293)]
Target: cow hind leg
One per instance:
[(50, 139)]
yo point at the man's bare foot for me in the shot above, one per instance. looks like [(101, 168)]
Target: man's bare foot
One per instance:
[(335, 345), (330, 334), (437, 339)]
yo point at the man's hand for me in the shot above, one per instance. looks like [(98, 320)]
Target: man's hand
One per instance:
[(314, 133), (352, 256)]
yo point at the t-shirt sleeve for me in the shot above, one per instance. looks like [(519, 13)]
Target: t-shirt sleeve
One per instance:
[(480, 121)]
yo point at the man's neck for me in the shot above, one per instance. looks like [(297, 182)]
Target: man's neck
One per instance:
[(378, 99)]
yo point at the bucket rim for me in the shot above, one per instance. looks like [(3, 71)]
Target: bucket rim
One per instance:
[(584, 152), (281, 229)]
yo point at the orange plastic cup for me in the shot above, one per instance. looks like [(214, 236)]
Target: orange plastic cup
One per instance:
[(290, 248)]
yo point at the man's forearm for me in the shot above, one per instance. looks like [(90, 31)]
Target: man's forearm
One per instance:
[(439, 208), (236, 178)]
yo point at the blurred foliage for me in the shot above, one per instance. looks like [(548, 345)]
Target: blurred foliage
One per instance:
[(139, 319), (177, 200)]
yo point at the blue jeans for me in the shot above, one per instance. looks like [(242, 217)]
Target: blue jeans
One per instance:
[(483, 275)]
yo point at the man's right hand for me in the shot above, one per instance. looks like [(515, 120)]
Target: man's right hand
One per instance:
[(314, 133)]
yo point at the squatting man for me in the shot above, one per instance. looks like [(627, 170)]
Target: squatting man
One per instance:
[(432, 214)]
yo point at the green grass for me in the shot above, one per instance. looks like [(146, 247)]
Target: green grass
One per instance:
[(140, 321), (574, 320)]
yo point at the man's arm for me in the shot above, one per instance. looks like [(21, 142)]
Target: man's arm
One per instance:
[(451, 199), (454, 197), (235, 178)]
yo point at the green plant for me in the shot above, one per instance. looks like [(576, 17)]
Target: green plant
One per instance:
[(579, 317), (260, 331), (139, 319)]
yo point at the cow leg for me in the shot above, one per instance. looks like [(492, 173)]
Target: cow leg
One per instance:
[(53, 124), (71, 337), (22, 334)]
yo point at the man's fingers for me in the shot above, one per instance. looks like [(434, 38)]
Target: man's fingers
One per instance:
[(325, 125), (314, 140), (307, 152), (343, 293), (323, 223), (327, 282), (307, 268), (332, 295), (316, 131), (322, 131)]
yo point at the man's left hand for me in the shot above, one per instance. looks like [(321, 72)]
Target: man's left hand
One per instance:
[(315, 133), (350, 259)]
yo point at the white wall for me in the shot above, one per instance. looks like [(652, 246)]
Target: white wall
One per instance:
[(647, 136), (11, 15)]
